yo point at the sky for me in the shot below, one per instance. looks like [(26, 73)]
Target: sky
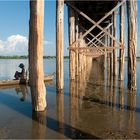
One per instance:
[(14, 27)]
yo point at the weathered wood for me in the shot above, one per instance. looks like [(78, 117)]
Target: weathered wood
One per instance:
[(80, 55), (71, 40), (36, 73), (111, 55), (122, 40), (102, 19), (77, 45), (114, 45), (132, 43), (95, 48), (100, 34), (95, 37), (60, 44)]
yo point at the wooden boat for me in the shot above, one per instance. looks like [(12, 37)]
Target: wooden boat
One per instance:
[(47, 78)]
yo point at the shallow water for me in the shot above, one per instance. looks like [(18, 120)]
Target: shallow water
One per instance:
[(89, 107)]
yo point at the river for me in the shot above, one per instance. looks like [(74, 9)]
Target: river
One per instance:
[(89, 107)]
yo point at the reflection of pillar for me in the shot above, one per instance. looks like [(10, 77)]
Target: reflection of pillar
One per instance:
[(60, 111), (59, 44), (39, 125), (36, 73), (131, 100), (131, 104), (72, 102), (110, 92), (121, 94), (114, 94)]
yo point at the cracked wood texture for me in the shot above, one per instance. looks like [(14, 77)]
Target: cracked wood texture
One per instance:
[(71, 41), (60, 44), (36, 73), (132, 43), (122, 40)]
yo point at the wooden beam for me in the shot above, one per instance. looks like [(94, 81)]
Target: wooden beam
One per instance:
[(95, 48), (122, 40), (114, 45), (60, 44), (71, 40), (132, 43), (95, 37), (77, 45), (100, 34), (36, 73), (111, 55), (96, 24)]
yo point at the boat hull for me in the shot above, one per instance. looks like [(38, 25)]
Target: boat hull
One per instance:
[(18, 82)]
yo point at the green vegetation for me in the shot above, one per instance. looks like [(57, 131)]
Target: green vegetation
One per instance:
[(26, 57), (14, 57)]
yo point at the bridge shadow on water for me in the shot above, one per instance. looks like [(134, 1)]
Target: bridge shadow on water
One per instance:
[(41, 122)]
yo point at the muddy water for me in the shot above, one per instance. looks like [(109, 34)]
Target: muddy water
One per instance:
[(92, 106)]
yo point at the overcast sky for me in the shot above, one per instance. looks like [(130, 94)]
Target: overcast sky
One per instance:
[(14, 26)]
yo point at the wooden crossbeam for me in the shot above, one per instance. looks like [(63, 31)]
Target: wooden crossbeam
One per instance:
[(99, 38), (91, 42), (100, 33), (102, 19), (92, 21), (94, 37), (95, 48)]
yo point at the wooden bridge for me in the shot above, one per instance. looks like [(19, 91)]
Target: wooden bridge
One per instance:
[(92, 34)]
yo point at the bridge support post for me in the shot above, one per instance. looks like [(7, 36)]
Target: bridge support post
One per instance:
[(132, 43), (60, 44), (36, 73), (71, 41), (111, 54), (122, 40), (114, 45), (77, 45)]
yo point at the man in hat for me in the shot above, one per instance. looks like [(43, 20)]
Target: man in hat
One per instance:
[(21, 75)]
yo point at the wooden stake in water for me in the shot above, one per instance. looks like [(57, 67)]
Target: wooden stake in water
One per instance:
[(36, 73), (132, 43)]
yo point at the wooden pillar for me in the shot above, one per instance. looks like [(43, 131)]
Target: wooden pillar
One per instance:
[(60, 44), (108, 56), (77, 45), (132, 43), (80, 54), (122, 40), (114, 45), (36, 73), (111, 54), (71, 40)]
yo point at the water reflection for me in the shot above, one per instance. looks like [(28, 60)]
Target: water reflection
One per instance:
[(121, 94), (39, 125), (60, 110), (23, 90)]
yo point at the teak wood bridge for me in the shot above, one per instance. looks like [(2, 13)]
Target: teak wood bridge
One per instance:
[(92, 34)]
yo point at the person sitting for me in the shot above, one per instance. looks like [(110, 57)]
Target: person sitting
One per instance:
[(21, 75)]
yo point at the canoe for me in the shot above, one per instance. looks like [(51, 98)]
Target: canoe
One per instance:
[(47, 78)]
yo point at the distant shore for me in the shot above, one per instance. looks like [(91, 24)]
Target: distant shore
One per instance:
[(45, 57), (26, 57)]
